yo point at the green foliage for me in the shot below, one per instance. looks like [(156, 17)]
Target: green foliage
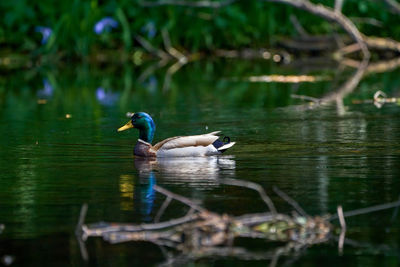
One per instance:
[(242, 24)]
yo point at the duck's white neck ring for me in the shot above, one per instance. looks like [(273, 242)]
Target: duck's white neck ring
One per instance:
[(144, 142)]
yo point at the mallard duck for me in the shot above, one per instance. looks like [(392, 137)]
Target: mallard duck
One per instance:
[(178, 146)]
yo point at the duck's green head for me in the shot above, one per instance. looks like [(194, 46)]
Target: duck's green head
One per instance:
[(144, 123)]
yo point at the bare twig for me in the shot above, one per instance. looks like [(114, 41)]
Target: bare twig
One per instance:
[(78, 232), (343, 229), (329, 14), (348, 49), (299, 28), (338, 6), (290, 200), (150, 48), (305, 97), (170, 49), (190, 211), (150, 70), (370, 21), (101, 229), (395, 6), (395, 212), (171, 71), (162, 209), (182, 199), (368, 210), (82, 248), (82, 217), (382, 43), (253, 186), (348, 86)]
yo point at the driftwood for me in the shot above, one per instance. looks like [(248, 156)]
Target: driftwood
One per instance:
[(202, 233), (363, 69), (379, 99)]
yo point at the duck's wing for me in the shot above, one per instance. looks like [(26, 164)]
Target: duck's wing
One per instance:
[(187, 141)]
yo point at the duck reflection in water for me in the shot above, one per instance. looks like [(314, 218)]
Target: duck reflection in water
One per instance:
[(196, 172), (147, 195), (138, 194), (199, 172)]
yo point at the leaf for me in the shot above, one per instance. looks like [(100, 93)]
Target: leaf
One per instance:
[(126, 32)]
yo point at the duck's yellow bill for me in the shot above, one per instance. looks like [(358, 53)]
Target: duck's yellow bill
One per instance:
[(126, 126)]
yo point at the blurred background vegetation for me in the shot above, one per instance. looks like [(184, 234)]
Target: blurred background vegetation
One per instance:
[(237, 25)]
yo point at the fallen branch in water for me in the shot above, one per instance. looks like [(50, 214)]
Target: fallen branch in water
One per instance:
[(165, 57), (379, 99), (202, 233)]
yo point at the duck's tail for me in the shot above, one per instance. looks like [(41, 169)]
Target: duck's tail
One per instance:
[(222, 146)]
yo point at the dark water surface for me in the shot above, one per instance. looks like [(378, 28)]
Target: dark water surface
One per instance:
[(59, 149)]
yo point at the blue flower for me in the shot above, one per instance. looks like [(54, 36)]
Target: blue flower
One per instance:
[(150, 29), (45, 31), (46, 91), (105, 25), (106, 98)]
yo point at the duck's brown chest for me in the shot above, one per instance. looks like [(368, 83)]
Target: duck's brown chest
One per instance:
[(143, 150)]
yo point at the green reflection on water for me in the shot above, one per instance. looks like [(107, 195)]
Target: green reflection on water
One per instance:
[(51, 163)]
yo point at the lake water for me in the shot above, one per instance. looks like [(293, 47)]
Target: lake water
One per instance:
[(59, 149)]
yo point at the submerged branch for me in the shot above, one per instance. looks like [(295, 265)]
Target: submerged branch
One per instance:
[(182, 199), (343, 229), (348, 86), (368, 210), (306, 97), (171, 50), (150, 48), (291, 201), (201, 233), (253, 186), (82, 217), (162, 209), (100, 229)]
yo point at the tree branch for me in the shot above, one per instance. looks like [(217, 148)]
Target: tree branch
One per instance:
[(291, 201), (395, 6), (253, 186), (330, 14)]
